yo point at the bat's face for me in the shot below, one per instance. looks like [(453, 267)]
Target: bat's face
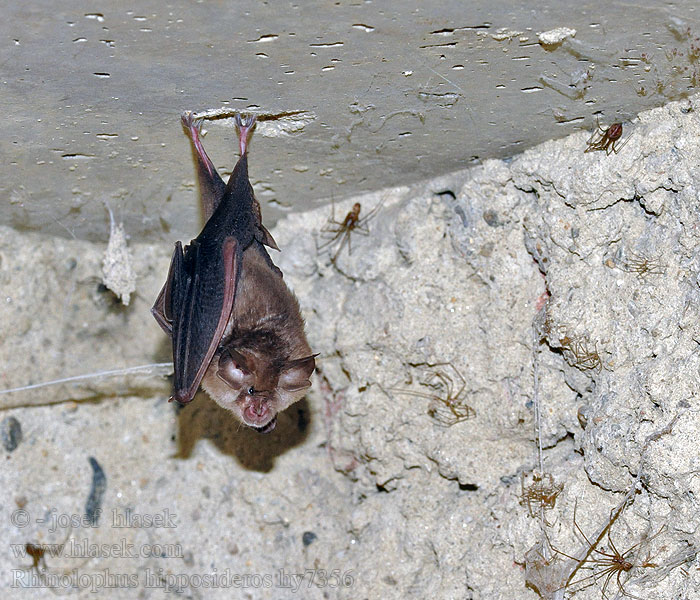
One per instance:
[(253, 388)]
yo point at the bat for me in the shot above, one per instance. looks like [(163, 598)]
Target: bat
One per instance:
[(235, 326)]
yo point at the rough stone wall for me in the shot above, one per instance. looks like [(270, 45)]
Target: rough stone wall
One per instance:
[(558, 283)]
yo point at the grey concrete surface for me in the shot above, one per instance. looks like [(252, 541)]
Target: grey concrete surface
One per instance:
[(391, 93)]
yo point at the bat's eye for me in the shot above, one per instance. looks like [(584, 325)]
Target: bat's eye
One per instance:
[(251, 390)]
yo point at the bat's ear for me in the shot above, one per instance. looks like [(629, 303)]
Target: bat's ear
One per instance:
[(296, 373), (233, 370), (267, 238)]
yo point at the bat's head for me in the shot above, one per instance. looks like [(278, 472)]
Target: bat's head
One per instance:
[(254, 388)]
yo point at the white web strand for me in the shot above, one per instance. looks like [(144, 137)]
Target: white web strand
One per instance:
[(156, 368)]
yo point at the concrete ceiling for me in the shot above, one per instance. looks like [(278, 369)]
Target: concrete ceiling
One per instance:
[(353, 96)]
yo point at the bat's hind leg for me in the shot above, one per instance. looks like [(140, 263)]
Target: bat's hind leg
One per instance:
[(245, 127), (194, 127)]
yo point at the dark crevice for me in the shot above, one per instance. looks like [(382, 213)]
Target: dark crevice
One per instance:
[(468, 487)]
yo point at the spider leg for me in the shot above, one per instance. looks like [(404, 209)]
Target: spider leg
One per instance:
[(594, 135), (372, 212), (623, 143), (412, 393), (325, 244), (462, 381), (589, 579), (578, 528), (596, 139), (590, 144), (597, 122), (446, 382), (617, 148), (623, 591), (610, 572), (612, 547), (328, 242), (332, 226), (344, 240)]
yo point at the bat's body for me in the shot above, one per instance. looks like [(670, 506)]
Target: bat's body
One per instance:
[(235, 326)]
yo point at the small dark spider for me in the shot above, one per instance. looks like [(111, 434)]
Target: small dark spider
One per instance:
[(606, 139), (607, 565), (343, 229), (447, 408), (37, 554), (541, 493)]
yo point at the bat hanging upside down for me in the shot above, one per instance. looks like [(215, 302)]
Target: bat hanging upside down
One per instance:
[(236, 327)]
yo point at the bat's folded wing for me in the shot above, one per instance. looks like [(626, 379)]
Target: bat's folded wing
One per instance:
[(196, 302)]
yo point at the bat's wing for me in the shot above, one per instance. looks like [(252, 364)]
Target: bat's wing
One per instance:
[(158, 310), (196, 302), (211, 186)]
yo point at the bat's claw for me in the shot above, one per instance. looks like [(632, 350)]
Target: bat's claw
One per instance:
[(187, 118), (245, 122), (192, 125), (245, 126)]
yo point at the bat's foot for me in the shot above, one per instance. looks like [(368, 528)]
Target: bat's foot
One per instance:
[(187, 118), (192, 125), (194, 128), (245, 127)]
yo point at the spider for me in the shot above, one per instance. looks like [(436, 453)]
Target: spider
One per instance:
[(449, 408), (607, 565), (37, 554), (47, 577), (605, 139), (579, 355), (541, 493), (643, 266), (343, 229)]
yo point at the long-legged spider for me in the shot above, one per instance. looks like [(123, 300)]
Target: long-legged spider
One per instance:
[(606, 139), (578, 353), (643, 266), (343, 230), (608, 564), (541, 494), (447, 406)]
